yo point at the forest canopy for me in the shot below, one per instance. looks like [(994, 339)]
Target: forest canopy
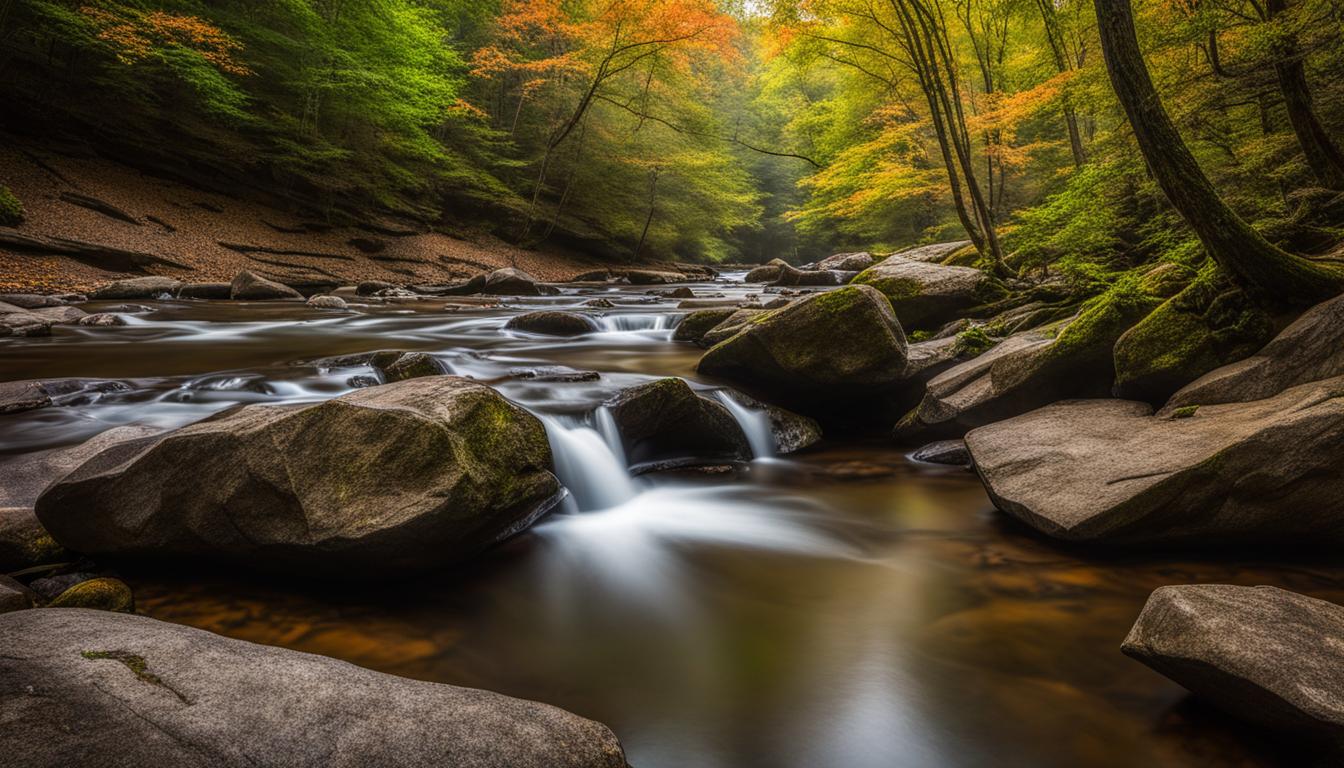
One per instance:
[(711, 131)]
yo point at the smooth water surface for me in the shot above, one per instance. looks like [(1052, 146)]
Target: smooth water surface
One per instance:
[(840, 607)]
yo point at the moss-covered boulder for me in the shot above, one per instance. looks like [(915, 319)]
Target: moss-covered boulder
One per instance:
[(665, 420), (1209, 324), (553, 323), (926, 295), (695, 325), (847, 262), (824, 355), (1072, 358), (789, 275), (418, 474), (101, 594)]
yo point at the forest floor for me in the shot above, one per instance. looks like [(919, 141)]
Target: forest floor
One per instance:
[(205, 236)]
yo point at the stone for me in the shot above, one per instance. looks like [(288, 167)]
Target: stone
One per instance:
[(410, 365), (926, 296), (694, 325), (1108, 471), (766, 273), (652, 277), (24, 324), (554, 373), (101, 594), (665, 419), (14, 596), (209, 291), (933, 253), (135, 691), (48, 588), (17, 396), (151, 287), (828, 355), (599, 303), (792, 431), (553, 323), (247, 286), (371, 287), (326, 301), (511, 282), (26, 395), (1266, 655), (102, 320), (1309, 349), (407, 476), (60, 315), (678, 293), (789, 275), (31, 300), (951, 452), (847, 262)]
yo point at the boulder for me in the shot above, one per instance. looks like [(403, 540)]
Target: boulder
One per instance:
[(847, 262), (209, 291), (1266, 655), (31, 300), (652, 277), (792, 276), (952, 452), (247, 286), (102, 320), (599, 303), (137, 288), (792, 432), (371, 287), (730, 326), (511, 282), (553, 323), (1207, 325), (16, 396), (326, 301), (24, 324), (678, 293), (666, 420), (26, 395), (1108, 471), (829, 355), (933, 253), (14, 596), (694, 325), (766, 273), (413, 475), (102, 594), (134, 691), (60, 315), (1309, 349), (408, 365), (924, 295)]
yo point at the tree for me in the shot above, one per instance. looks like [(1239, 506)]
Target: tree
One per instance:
[(1236, 246), (1323, 156)]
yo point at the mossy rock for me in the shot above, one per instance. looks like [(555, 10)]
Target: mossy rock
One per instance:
[(1206, 326), (410, 365), (968, 256), (553, 323), (11, 209), (926, 295), (666, 420), (103, 594), (695, 325)]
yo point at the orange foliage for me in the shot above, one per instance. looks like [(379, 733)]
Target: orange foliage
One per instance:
[(135, 35)]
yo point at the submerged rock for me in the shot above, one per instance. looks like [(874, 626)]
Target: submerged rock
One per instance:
[(1107, 470), (823, 355), (666, 420), (553, 323), (137, 288), (413, 475), (925, 296), (247, 286), (1267, 655), (137, 691)]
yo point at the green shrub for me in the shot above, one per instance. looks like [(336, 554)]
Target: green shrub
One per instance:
[(11, 210)]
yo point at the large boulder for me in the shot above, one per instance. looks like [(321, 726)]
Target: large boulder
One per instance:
[(1269, 656), (694, 325), (82, 687), (407, 365), (29, 394), (511, 282), (847, 262), (924, 295), (1069, 359), (1108, 471), (23, 540), (247, 286), (793, 276), (1311, 348), (553, 323), (1207, 325), (665, 420), (766, 273), (824, 355), (934, 252), (412, 475), (137, 288), (23, 323), (729, 326), (209, 291)]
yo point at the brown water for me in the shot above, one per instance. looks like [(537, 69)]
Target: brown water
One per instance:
[(843, 607)]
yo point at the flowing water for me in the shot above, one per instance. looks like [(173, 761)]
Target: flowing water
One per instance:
[(839, 607)]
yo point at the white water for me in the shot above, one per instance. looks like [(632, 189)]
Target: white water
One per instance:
[(595, 476), (634, 322), (755, 424)]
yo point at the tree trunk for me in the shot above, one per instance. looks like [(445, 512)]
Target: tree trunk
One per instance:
[(1056, 40), (1323, 156), (1237, 247)]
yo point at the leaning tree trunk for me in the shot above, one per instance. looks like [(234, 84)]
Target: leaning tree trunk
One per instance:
[(1323, 156), (1236, 246)]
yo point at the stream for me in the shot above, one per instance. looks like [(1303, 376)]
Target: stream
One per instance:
[(843, 606)]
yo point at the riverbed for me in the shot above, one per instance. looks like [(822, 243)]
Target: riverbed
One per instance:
[(843, 606)]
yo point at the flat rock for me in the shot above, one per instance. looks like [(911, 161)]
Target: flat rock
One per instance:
[(134, 691), (407, 476), (151, 287), (1108, 471), (1267, 655)]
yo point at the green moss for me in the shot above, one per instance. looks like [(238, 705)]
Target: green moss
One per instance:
[(964, 257), (972, 342), (1184, 412), (916, 337), (11, 209), (104, 594), (894, 288), (137, 665)]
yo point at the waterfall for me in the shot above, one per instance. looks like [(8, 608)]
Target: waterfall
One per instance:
[(755, 424), (596, 477), (634, 322), (606, 426)]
